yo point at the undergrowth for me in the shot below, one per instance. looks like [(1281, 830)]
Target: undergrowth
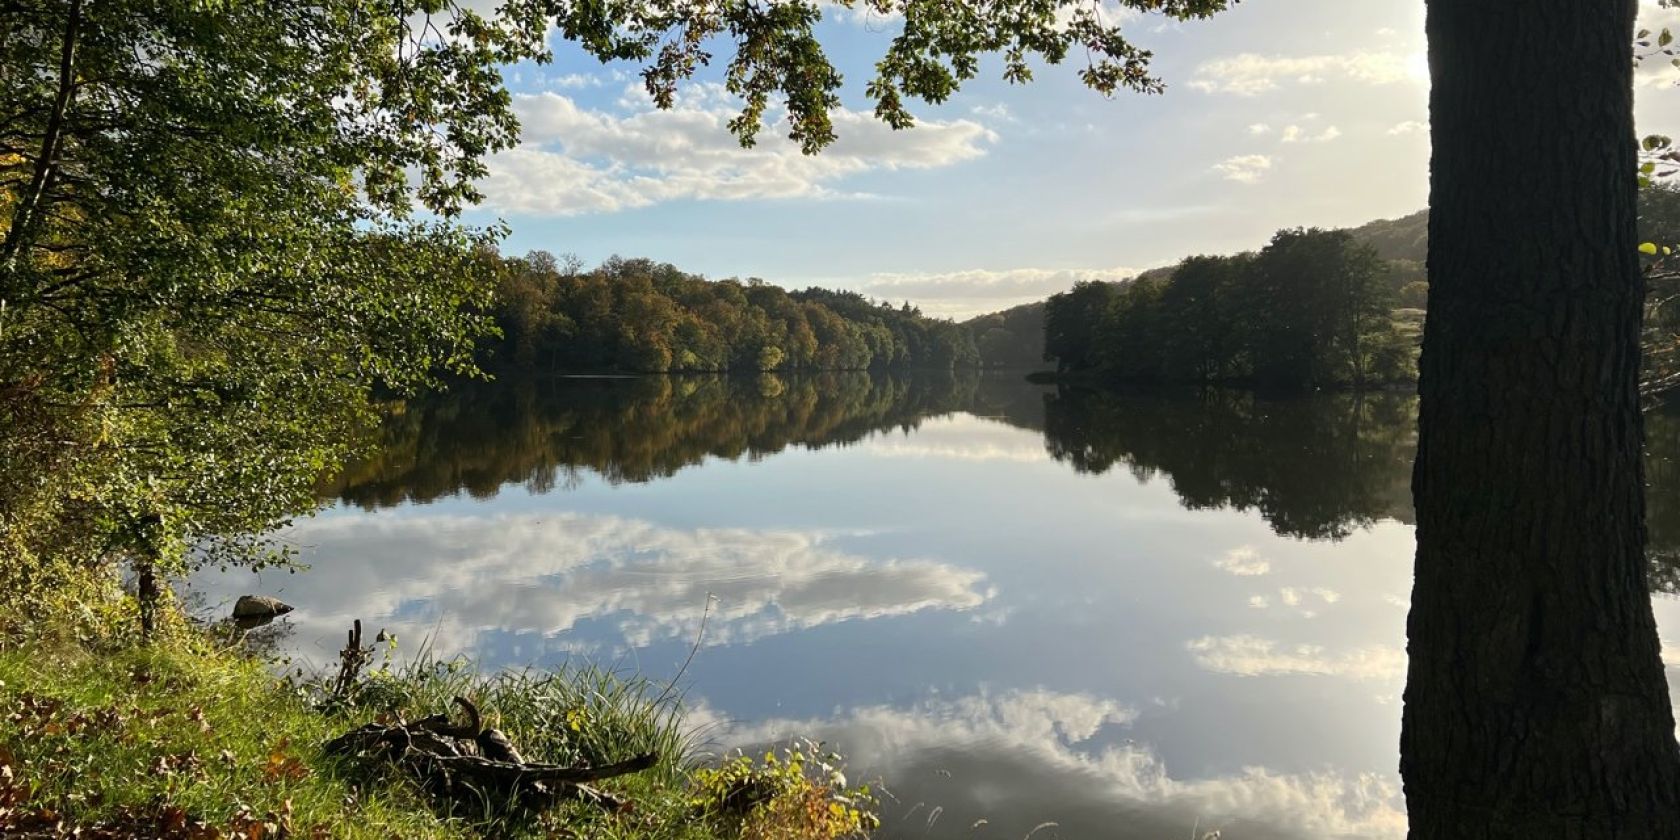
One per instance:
[(190, 736)]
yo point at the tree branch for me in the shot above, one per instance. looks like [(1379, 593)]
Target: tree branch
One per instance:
[(23, 217)]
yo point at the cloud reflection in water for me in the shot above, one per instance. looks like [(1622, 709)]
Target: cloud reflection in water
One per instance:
[(995, 765), (456, 577)]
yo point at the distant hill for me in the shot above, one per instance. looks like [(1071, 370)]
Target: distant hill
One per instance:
[(1405, 238)]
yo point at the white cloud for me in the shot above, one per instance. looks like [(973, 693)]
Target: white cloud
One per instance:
[(959, 294), (1259, 128), (859, 14), (1019, 758), (1243, 561), (997, 111), (1249, 74), (1299, 600), (1297, 134), (1409, 127), (574, 81), (1249, 656), (574, 160), (1244, 169)]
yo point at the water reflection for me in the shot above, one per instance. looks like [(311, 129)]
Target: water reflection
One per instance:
[(1124, 614), (542, 433), (456, 579), (1316, 468), (1002, 764)]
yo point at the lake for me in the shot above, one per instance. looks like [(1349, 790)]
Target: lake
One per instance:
[(1028, 611)]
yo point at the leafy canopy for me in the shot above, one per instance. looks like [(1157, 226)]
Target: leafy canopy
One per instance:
[(209, 253), (938, 46)]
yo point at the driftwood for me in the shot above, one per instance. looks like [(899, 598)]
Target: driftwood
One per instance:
[(479, 767)]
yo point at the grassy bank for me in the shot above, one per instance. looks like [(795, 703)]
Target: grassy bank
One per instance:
[(190, 737)]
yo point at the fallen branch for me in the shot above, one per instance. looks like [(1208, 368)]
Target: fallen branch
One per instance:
[(473, 765)]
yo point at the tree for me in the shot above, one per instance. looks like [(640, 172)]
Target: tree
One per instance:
[(1201, 343), (208, 259), (1318, 306), (1070, 324), (1536, 704)]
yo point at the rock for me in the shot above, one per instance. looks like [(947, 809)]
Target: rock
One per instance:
[(259, 606)]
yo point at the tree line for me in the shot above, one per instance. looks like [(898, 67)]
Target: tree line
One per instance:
[(1314, 308), (636, 315)]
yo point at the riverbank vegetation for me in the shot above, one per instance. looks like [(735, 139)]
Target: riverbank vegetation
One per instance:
[(192, 736), (225, 231)]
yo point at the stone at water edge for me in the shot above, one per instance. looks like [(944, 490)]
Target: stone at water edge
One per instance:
[(259, 606)]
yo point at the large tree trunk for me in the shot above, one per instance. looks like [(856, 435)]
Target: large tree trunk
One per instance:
[(1536, 705)]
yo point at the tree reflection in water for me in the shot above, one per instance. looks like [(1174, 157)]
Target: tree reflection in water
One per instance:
[(1316, 467)]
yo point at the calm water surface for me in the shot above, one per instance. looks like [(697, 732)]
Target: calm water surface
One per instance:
[(1125, 615)]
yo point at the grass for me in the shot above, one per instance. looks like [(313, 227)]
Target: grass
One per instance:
[(187, 738)]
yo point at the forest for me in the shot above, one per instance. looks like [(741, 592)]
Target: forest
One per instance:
[(1172, 325), (635, 315), (1312, 309)]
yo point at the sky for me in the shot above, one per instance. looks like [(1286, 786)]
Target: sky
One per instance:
[(1277, 113)]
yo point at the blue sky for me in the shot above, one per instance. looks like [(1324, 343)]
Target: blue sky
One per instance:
[(1278, 113)]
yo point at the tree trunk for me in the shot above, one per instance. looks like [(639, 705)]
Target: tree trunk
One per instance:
[(1536, 704), (28, 210), (148, 595)]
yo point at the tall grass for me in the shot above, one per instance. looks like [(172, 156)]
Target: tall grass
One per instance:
[(96, 731), (577, 715)]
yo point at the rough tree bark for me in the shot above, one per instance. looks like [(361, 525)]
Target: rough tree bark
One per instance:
[(1536, 705), (148, 595)]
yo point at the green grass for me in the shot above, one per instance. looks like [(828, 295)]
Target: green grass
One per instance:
[(184, 726), (117, 733)]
